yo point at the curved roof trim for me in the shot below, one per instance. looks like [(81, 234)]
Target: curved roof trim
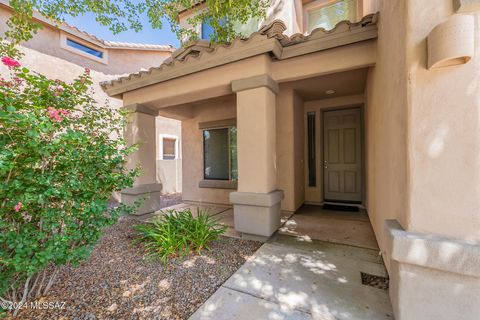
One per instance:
[(201, 55)]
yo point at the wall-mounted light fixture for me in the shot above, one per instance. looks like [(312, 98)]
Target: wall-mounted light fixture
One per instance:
[(451, 42)]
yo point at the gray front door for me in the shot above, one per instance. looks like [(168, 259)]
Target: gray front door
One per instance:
[(342, 167)]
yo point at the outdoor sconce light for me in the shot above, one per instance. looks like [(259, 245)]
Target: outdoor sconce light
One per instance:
[(451, 42)]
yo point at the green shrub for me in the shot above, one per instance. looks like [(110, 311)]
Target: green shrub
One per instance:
[(60, 161), (178, 233)]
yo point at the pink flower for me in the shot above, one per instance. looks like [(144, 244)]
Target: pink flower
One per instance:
[(87, 71), (64, 112), (18, 206), (53, 113), (11, 63)]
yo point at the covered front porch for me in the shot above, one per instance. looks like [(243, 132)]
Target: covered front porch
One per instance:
[(273, 128), (246, 131)]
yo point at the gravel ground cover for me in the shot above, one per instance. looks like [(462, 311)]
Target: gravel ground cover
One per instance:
[(118, 283)]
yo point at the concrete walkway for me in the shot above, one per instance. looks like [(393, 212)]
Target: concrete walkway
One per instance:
[(290, 279), (310, 269), (296, 276)]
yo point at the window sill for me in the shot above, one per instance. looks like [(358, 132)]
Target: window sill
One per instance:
[(218, 184)]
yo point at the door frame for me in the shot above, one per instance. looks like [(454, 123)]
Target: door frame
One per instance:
[(321, 126)]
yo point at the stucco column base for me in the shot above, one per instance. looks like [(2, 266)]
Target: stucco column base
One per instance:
[(431, 276), (148, 194), (256, 215)]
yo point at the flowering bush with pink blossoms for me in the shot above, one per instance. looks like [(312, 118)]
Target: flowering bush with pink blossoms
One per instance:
[(60, 161)]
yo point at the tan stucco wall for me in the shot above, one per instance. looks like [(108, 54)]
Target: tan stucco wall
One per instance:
[(298, 143), (193, 87), (386, 99), (141, 131), (57, 68), (192, 149), (444, 133), (452, 296), (423, 147), (417, 112), (256, 137), (169, 172), (289, 148)]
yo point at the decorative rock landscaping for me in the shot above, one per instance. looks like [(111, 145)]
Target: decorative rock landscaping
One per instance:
[(118, 283)]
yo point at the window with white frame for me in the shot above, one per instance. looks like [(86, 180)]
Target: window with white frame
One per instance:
[(168, 147), (327, 13)]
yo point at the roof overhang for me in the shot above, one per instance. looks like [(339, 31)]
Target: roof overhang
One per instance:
[(270, 40)]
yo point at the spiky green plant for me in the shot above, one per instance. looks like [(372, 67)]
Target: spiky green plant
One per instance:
[(178, 233)]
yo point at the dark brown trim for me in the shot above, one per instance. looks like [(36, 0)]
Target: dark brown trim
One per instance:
[(218, 184), (226, 123)]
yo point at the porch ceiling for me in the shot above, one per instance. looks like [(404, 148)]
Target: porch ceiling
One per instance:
[(345, 83)]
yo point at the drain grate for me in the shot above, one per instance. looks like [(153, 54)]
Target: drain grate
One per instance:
[(374, 281)]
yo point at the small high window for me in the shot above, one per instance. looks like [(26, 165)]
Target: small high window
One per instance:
[(220, 154), (326, 14), (169, 148), (77, 45)]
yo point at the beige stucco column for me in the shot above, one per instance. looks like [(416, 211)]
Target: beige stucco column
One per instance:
[(257, 202), (140, 130)]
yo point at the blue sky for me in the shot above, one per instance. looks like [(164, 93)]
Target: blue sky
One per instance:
[(147, 35)]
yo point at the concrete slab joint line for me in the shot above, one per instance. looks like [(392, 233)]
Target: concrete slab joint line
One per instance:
[(403, 246), (263, 80)]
